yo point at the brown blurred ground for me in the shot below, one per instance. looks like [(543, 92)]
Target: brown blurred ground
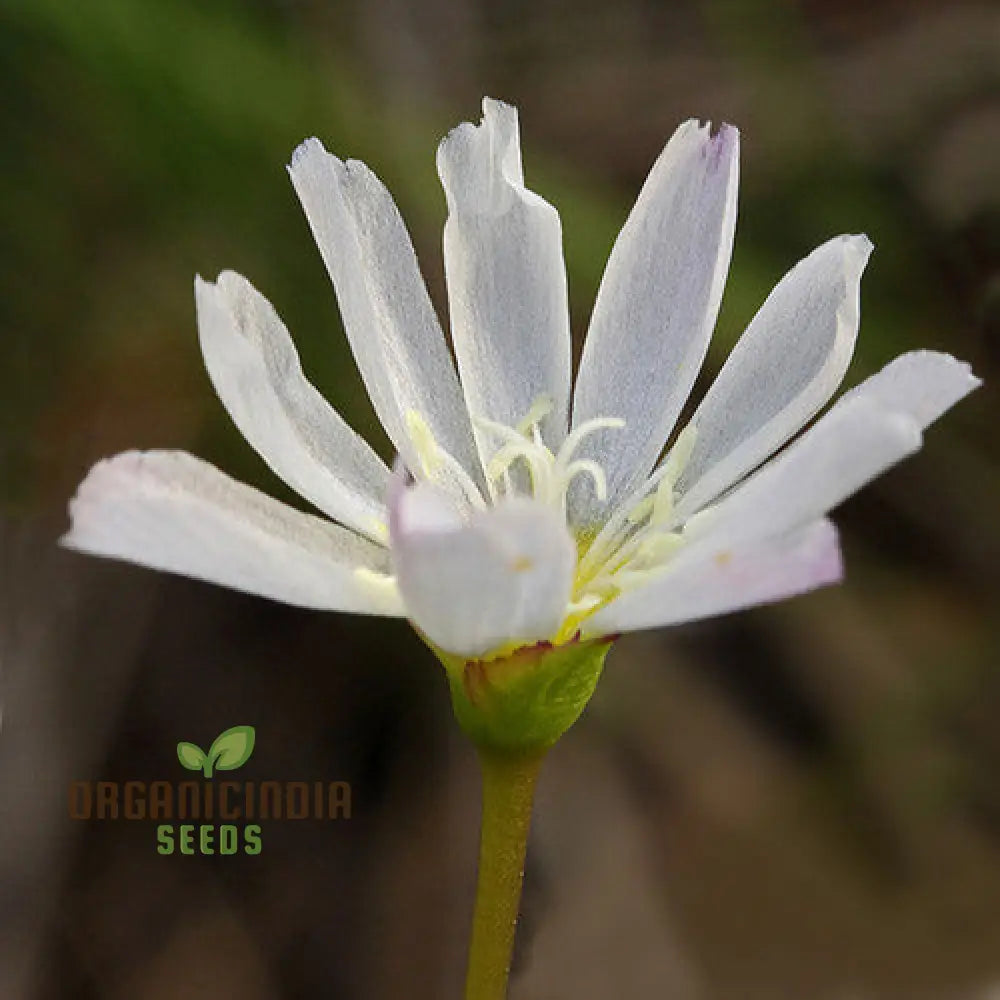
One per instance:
[(801, 801)]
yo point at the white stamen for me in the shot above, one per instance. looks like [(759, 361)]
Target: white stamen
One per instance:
[(586, 466), (537, 412), (642, 504), (636, 542), (576, 436), (537, 457), (436, 464)]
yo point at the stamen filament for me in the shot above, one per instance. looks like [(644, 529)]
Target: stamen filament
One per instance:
[(586, 466), (537, 412), (639, 505)]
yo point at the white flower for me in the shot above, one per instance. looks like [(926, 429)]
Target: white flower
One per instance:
[(513, 523)]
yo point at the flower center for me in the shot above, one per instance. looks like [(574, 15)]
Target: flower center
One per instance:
[(642, 533), (549, 473), (636, 541)]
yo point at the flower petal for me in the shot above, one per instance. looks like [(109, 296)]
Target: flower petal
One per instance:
[(256, 372), (170, 511), (390, 322), (506, 278), (921, 384), (656, 308), (875, 425), (847, 448), (722, 580), (501, 577), (785, 367)]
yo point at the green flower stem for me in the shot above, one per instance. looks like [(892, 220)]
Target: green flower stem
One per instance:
[(508, 792)]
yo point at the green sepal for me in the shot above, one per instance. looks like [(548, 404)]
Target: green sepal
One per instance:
[(526, 700)]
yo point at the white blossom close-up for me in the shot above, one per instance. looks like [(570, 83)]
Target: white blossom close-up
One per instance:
[(526, 506)]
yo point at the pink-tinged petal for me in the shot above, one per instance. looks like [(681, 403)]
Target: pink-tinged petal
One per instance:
[(718, 580), (472, 585), (847, 448), (656, 309), (171, 511)]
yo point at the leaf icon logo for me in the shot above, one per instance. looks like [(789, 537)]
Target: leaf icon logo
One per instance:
[(229, 750)]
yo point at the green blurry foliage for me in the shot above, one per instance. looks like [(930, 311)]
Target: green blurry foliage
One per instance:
[(146, 142)]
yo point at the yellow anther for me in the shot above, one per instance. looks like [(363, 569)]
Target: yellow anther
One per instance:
[(663, 502), (383, 584), (642, 510), (679, 455), (378, 530), (423, 442), (582, 608), (659, 547), (585, 604), (653, 509)]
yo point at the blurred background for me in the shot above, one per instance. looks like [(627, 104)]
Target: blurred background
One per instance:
[(800, 801)]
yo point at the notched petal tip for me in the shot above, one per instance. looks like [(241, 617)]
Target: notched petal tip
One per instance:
[(308, 149), (97, 483), (313, 164), (723, 147), (716, 145), (695, 143), (224, 293), (921, 385), (364, 194), (960, 370), (855, 249), (860, 242), (227, 288), (494, 107), (206, 294), (480, 165), (725, 136)]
